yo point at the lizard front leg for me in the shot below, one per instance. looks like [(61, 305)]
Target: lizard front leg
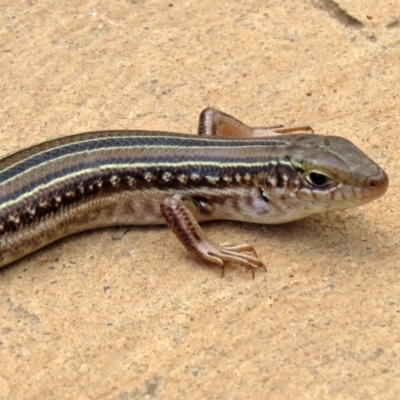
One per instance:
[(179, 212), (217, 123)]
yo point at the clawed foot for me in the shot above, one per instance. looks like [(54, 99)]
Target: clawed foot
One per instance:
[(221, 254)]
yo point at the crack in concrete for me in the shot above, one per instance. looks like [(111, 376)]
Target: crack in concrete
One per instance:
[(335, 11), (394, 24)]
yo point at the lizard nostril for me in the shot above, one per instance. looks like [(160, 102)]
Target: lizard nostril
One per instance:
[(372, 183), (378, 183)]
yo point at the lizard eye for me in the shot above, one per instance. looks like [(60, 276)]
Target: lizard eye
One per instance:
[(317, 179)]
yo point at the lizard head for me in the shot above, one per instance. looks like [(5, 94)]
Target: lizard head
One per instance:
[(324, 173)]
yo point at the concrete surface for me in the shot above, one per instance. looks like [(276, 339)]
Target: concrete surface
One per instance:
[(103, 315)]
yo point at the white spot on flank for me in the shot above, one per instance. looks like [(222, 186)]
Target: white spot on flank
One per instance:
[(247, 177), (212, 179), (285, 177), (183, 178), (194, 176), (166, 176), (271, 179), (30, 211), (43, 204), (115, 179), (238, 178), (130, 180), (14, 218), (148, 177), (227, 179)]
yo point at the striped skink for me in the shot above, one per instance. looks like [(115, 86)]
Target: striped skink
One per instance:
[(229, 171)]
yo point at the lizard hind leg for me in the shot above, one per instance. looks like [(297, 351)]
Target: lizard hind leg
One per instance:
[(179, 212)]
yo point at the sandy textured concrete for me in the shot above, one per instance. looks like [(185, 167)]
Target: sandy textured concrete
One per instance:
[(103, 315)]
